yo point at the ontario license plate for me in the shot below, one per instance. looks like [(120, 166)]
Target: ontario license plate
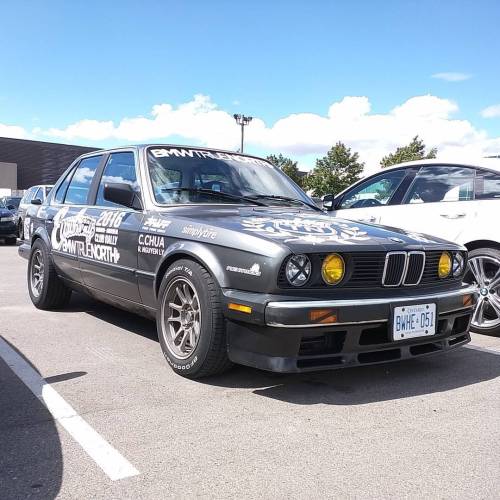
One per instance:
[(414, 321)]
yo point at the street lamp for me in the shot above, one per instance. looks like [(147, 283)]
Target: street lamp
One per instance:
[(242, 120)]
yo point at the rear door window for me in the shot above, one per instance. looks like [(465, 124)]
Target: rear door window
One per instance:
[(79, 186), (441, 184)]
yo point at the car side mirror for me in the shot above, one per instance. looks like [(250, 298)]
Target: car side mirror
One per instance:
[(36, 201), (122, 193), (328, 202)]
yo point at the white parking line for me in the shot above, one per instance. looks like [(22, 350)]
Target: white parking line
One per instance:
[(105, 456), (484, 349)]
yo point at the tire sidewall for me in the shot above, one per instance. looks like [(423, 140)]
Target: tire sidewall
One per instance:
[(38, 245), (193, 272), (486, 252)]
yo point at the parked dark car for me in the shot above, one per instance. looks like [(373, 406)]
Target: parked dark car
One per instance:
[(8, 228), (237, 264), (35, 195)]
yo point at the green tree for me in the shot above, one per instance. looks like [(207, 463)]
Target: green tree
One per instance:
[(413, 151), (287, 166), (334, 172)]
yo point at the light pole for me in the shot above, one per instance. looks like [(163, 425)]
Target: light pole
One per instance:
[(242, 120)]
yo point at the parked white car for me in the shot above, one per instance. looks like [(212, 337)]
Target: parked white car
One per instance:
[(459, 202)]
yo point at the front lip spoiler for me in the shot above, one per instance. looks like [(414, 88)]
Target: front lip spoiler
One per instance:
[(339, 304)]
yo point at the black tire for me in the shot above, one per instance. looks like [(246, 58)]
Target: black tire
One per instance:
[(209, 354), (489, 256), (11, 241), (52, 292)]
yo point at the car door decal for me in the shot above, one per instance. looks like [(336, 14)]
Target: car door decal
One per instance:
[(87, 236)]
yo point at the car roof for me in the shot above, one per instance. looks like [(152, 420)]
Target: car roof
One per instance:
[(487, 163)]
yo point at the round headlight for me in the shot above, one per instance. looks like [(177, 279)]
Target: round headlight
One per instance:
[(298, 270), (333, 269), (444, 265), (458, 264)]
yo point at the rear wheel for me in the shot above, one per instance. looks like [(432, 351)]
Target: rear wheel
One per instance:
[(11, 241), (46, 289), (484, 271), (190, 323)]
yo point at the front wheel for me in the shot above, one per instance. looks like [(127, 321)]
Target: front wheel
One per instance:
[(46, 289), (484, 271), (190, 323)]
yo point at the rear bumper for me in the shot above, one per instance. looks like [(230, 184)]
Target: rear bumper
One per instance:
[(280, 337)]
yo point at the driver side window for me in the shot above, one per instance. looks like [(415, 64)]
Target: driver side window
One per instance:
[(374, 192)]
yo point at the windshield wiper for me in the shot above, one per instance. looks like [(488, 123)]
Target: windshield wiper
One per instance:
[(219, 194), (287, 198)]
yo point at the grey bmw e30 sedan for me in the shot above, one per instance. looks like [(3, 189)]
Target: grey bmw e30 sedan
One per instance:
[(237, 264)]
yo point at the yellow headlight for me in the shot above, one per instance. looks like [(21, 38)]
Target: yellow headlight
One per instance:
[(444, 266), (333, 269)]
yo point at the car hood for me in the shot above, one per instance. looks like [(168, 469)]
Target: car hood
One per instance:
[(300, 230)]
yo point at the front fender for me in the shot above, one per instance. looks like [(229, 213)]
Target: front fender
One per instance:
[(199, 252)]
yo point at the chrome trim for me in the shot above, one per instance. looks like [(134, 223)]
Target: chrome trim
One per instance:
[(414, 252), (369, 302), (340, 303), (315, 325), (403, 274)]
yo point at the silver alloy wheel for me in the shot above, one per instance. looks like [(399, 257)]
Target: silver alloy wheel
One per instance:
[(181, 318), (37, 273), (484, 272)]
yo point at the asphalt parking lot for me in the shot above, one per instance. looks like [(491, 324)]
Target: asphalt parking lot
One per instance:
[(423, 428)]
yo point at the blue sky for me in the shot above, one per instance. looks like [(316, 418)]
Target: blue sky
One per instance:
[(64, 62)]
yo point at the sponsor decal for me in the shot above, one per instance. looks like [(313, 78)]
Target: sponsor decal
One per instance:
[(88, 236), (151, 244), (27, 228), (210, 155), (156, 224), (252, 271), (314, 230), (420, 237), (199, 232)]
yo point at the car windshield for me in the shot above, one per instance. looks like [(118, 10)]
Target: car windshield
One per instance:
[(182, 175), (14, 201)]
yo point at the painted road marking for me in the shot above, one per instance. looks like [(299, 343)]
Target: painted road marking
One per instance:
[(484, 349), (106, 457)]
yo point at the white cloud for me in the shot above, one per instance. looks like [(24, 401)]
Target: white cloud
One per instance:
[(452, 76), (491, 111), (12, 131), (303, 136)]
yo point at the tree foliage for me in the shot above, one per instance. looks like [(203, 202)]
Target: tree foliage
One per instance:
[(287, 166), (336, 171), (413, 151)]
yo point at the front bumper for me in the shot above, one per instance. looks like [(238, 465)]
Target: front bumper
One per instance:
[(279, 336)]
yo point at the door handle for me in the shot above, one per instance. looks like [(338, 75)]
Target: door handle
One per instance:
[(368, 219), (453, 216)]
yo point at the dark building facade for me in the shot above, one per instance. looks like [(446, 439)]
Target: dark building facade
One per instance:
[(38, 162)]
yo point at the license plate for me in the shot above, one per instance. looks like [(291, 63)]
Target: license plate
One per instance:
[(414, 321)]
